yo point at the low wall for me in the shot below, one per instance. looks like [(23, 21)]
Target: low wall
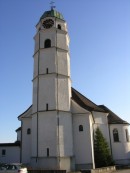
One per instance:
[(100, 170), (46, 171)]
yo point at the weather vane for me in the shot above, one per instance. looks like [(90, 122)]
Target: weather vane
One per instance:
[(52, 5)]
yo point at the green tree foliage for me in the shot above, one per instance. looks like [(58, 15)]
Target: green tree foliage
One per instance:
[(102, 153)]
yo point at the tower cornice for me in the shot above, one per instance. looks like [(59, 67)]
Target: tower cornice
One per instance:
[(51, 74), (60, 49)]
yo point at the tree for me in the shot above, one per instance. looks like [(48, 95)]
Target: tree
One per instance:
[(102, 153)]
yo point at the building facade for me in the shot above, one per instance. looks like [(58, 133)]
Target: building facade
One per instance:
[(57, 130)]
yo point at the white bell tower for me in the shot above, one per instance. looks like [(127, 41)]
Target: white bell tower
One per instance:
[(52, 142)]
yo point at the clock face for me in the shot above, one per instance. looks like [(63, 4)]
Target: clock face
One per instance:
[(48, 23)]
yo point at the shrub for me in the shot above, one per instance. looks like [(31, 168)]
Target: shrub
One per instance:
[(102, 152)]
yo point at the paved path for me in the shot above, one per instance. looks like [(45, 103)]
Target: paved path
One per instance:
[(122, 171)]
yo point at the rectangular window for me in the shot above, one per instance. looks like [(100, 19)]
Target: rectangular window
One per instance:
[(46, 70), (127, 135), (47, 107), (48, 152), (3, 152)]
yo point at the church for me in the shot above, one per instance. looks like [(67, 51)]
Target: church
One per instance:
[(57, 130)]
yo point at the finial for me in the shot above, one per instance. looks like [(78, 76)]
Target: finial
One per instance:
[(52, 5)]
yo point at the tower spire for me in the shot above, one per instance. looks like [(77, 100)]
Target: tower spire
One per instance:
[(52, 5)]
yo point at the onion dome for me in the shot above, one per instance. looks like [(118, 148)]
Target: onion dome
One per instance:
[(52, 13)]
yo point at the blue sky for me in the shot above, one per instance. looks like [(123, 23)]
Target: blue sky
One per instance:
[(99, 32)]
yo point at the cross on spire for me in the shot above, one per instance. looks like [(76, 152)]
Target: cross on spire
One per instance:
[(52, 5)]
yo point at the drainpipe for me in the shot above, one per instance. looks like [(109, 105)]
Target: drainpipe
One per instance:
[(21, 143), (93, 141), (38, 97), (58, 142), (110, 139)]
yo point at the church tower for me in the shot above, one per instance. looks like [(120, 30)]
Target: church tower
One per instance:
[(52, 144)]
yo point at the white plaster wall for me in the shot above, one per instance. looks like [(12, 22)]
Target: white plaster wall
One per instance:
[(36, 39), (47, 92), (35, 65), (62, 23), (47, 60), (34, 108), (63, 62), (64, 89), (101, 121), (48, 34), (62, 40), (12, 154), (58, 138), (49, 163), (47, 131), (34, 136), (92, 141), (52, 59), (47, 56), (26, 140), (53, 136), (65, 134), (19, 135), (121, 149), (83, 151), (100, 117), (82, 140)]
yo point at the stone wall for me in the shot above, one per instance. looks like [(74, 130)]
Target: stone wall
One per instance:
[(100, 170)]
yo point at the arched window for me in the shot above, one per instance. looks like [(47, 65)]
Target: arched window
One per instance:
[(115, 135), (28, 131), (80, 128), (59, 26), (127, 135), (47, 43)]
